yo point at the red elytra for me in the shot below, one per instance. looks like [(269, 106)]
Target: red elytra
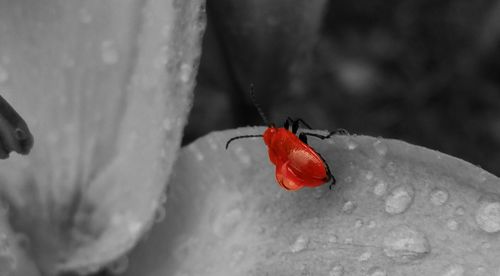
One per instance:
[(297, 164)]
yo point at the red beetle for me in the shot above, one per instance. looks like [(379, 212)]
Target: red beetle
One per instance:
[(297, 164)]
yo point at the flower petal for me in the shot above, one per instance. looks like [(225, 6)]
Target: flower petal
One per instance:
[(105, 88), (226, 216)]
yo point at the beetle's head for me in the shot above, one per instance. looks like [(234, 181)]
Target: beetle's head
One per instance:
[(269, 134)]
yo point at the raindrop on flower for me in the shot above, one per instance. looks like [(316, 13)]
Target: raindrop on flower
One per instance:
[(399, 199), (300, 244), (454, 270), (439, 197), (4, 75), (380, 188), (109, 54), (376, 271), (337, 270), (452, 224), (404, 244), (351, 145), (488, 216), (380, 147), (348, 207)]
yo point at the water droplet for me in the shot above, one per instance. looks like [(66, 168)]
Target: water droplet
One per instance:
[(380, 147), (460, 211), (119, 266), (348, 179), (488, 216), (333, 239), (4, 75), (454, 270), (439, 197), (380, 188), (167, 124), (452, 224), (109, 54), (391, 168), (365, 256), (348, 240), (160, 214), (369, 175), (238, 256), (224, 224), (372, 224), (300, 244), (358, 223), (351, 145), (399, 199), (337, 270), (404, 244), (185, 72), (242, 155), (348, 207), (376, 271), (485, 245), (85, 16)]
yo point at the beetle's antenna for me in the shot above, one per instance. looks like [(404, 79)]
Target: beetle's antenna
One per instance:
[(257, 105), (240, 137)]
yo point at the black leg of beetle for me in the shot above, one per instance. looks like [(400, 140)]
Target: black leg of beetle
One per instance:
[(328, 172), (332, 183), (300, 121), (295, 127), (339, 131), (303, 138), (286, 125)]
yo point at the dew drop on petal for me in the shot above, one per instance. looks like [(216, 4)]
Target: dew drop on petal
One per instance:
[(380, 188), (242, 155), (439, 197), (358, 223), (460, 211), (160, 214), (452, 224), (369, 175), (337, 270), (404, 244), (299, 244), (454, 270), (119, 266), (348, 179), (376, 271), (185, 72), (372, 224), (4, 75), (399, 199), (85, 16), (365, 256), (333, 239), (225, 224), (348, 207), (488, 216), (351, 145), (109, 54), (380, 147)]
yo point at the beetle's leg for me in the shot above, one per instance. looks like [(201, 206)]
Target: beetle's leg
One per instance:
[(328, 171), (339, 131), (303, 138), (333, 183), (286, 125)]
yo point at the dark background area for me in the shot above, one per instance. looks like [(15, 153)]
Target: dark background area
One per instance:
[(426, 72)]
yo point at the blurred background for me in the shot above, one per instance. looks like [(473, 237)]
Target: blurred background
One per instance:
[(425, 71)]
